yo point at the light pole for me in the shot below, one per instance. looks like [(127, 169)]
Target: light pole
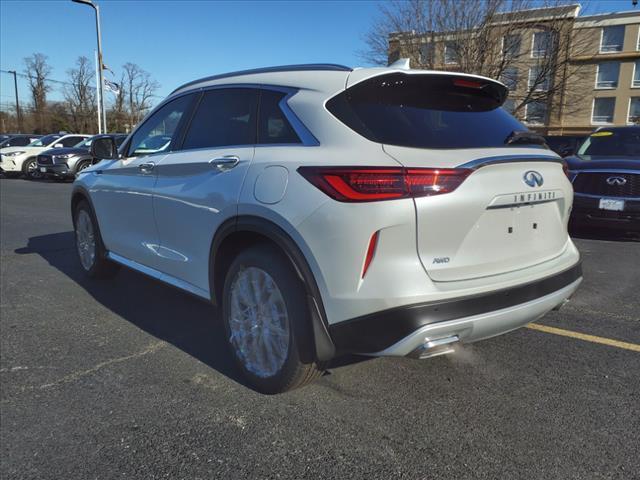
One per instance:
[(18, 114), (102, 111)]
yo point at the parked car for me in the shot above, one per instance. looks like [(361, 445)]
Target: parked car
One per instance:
[(23, 160), (328, 210), (564, 145), (61, 163), (606, 180), (17, 139)]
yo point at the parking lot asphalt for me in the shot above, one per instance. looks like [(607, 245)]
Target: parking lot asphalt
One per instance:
[(129, 378)]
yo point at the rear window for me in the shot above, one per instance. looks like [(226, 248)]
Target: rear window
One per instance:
[(427, 111)]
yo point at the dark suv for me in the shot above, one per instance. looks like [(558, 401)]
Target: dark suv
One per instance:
[(62, 163), (605, 174)]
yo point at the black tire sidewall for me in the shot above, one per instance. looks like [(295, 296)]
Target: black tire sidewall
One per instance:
[(272, 261)]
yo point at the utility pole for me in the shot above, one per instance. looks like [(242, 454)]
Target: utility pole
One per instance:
[(101, 106), (15, 86)]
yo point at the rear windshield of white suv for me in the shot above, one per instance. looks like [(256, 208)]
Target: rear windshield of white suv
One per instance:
[(427, 111)]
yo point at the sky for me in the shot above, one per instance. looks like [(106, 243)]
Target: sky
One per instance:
[(179, 41)]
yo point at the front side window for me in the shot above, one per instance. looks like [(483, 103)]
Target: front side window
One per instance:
[(511, 46), (607, 75), (536, 113), (603, 110), (450, 53), (157, 132), (541, 45), (539, 79), (612, 39), (71, 141), (224, 117), (273, 126), (634, 110)]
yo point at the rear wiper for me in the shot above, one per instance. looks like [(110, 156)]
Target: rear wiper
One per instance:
[(523, 136)]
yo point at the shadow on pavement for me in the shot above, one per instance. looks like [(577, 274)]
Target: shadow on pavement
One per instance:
[(167, 313)]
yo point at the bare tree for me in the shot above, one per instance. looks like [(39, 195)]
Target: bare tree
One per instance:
[(485, 38), (140, 88), (36, 71), (80, 95)]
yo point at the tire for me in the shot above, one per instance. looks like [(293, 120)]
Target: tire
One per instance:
[(256, 321), (89, 247), (81, 166), (30, 169)]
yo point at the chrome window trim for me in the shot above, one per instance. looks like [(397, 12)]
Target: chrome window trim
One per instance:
[(307, 139), (482, 162)]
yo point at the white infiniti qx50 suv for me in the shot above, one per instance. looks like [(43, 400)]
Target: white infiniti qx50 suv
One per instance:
[(330, 210)]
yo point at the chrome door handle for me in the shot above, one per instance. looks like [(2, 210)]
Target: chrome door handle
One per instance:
[(146, 168), (225, 163)]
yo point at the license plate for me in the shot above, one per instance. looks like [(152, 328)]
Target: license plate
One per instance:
[(43, 169), (611, 204)]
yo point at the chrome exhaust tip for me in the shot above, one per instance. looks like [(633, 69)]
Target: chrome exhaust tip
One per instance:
[(435, 347)]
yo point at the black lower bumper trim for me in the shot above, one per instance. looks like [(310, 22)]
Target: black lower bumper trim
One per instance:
[(377, 331)]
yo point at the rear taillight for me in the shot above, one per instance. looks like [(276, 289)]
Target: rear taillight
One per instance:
[(351, 184)]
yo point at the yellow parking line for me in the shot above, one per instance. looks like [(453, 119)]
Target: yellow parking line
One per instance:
[(587, 338)]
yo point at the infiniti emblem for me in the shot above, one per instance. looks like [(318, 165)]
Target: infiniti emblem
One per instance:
[(533, 178), (616, 180)]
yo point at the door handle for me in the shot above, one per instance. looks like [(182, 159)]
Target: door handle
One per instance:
[(224, 163), (146, 168)]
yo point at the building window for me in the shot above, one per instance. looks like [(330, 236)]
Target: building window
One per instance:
[(450, 53), (612, 39), (607, 75), (536, 113), (426, 53), (538, 79), (541, 44), (603, 110), (511, 46), (634, 111), (509, 105), (636, 74), (510, 78)]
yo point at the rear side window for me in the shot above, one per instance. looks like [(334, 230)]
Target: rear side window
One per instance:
[(224, 117), (273, 126), (71, 141), (427, 111)]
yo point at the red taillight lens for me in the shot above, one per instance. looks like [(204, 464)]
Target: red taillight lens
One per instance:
[(347, 184)]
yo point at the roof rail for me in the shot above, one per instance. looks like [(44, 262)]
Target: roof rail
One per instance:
[(283, 68)]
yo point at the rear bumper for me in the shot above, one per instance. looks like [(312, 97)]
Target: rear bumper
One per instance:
[(587, 213), (400, 331)]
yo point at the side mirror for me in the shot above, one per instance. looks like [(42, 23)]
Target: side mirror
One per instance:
[(104, 148), (58, 145)]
